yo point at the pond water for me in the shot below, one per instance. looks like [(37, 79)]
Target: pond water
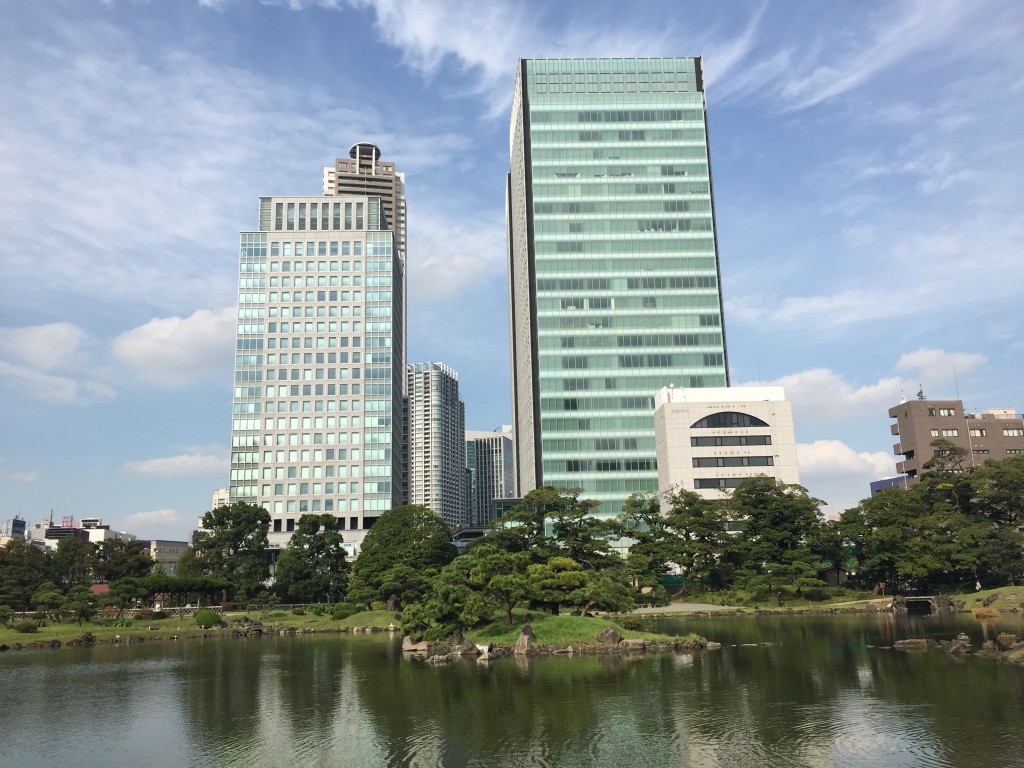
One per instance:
[(821, 695)]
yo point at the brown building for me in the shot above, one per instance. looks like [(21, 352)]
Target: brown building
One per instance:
[(994, 434), (363, 173)]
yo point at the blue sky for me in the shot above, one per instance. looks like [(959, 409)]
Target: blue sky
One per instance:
[(868, 162)]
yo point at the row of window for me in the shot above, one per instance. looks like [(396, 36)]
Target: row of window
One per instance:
[(627, 321), (623, 248), (619, 191), (324, 216), (681, 360), (675, 301), (734, 461), (631, 205), (550, 151), (622, 226), (976, 432), (629, 116), (626, 341), (671, 170)]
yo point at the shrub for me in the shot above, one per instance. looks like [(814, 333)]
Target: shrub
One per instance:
[(26, 627), (5, 613), (319, 609), (159, 615), (816, 594), (229, 607), (144, 613), (40, 616), (273, 616), (299, 610), (207, 618), (341, 611)]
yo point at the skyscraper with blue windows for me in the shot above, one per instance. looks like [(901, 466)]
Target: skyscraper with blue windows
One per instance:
[(613, 266), (320, 352)]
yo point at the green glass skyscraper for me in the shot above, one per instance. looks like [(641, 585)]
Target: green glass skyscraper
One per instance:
[(613, 266)]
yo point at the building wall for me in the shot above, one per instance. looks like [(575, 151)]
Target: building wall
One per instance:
[(319, 366), (167, 554), (436, 441), (491, 471), (709, 440), (994, 434), (613, 264)]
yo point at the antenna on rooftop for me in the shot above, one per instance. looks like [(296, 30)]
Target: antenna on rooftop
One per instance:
[(920, 392), (956, 384)]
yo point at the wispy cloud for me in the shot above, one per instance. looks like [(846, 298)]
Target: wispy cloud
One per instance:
[(61, 390), (197, 460)]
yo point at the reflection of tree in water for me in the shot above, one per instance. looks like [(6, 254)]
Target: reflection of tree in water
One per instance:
[(541, 710)]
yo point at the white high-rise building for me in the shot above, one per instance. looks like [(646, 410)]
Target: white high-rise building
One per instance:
[(709, 440), (436, 448), (489, 462), (320, 355)]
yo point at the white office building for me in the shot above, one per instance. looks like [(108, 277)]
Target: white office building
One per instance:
[(710, 440), (320, 354)]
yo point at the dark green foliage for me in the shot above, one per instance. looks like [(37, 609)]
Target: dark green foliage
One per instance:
[(403, 550), (73, 561), (23, 567), (231, 545), (5, 614), (116, 559), (26, 627), (313, 566)]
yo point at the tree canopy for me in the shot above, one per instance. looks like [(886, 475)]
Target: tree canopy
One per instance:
[(232, 545)]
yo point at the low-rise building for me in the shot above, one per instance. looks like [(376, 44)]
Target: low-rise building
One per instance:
[(167, 554), (994, 434), (709, 440)]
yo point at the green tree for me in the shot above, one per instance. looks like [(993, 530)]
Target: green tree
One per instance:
[(126, 593), (120, 559), (313, 567), (232, 545), (780, 521), (606, 590), (80, 604), (553, 584), (499, 577), (696, 538), (23, 567), (406, 537), (73, 561), (49, 599)]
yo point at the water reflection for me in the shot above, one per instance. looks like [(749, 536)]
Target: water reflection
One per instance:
[(823, 694)]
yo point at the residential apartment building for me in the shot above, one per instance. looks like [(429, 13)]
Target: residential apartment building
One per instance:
[(993, 434), (710, 440), (490, 473), (613, 265), (320, 357), (436, 448)]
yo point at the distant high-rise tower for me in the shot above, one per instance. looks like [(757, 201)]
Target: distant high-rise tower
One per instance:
[(489, 462), (436, 449), (613, 265), (320, 358)]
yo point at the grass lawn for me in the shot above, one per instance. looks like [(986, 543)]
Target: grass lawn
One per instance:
[(185, 627), (557, 630)]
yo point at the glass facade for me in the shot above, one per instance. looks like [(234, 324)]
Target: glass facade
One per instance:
[(319, 368), (614, 273)]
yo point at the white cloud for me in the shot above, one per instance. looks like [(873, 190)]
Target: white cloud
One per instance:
[(938, 365), (43, 347), (175, 351), (24, 477), (820, 395), (55, 389), (196, 460), (833, 457), (163, 523), (153, 516)]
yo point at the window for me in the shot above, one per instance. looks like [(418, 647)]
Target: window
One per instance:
[(728, 419), (977, 432), (1013, 432), (935, 433), (950, 432), (947, 412), (1014, 451)]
